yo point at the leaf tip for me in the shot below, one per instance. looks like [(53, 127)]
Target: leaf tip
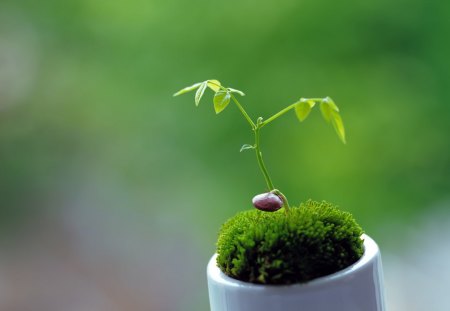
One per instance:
[(214, 84)]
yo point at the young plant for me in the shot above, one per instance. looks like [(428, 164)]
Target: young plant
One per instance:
[(274, 199), (305, 242)]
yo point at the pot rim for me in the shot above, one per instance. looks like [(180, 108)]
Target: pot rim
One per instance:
[(371, 251)]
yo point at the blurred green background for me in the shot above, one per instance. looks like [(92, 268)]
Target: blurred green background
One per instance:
[(112, 191)]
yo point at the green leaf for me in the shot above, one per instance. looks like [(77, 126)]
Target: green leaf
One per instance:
[(214, 85), (326, 110), (236, 91), (200, 92), (246, 147), (187, 89), (221, 101), (331, 103), (330, 112), (338, 125), (303, 108)]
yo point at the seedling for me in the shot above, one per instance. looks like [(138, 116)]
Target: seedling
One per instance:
[(316, 239), (273, 199)]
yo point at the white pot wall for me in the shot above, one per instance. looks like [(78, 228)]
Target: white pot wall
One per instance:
[(356, 288)]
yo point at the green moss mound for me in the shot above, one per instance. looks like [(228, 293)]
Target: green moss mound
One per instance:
[(314, 240)]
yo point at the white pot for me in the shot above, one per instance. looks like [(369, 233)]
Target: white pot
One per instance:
[(358, 287)]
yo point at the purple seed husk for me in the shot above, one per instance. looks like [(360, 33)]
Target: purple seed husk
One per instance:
[(268, 202)]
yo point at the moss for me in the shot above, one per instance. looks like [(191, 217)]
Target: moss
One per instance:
[(316, 239)]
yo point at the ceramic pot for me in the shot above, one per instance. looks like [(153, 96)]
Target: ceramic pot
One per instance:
[(358, 287)]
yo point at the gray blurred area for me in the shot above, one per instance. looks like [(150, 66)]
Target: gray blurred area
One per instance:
[(112, 191)]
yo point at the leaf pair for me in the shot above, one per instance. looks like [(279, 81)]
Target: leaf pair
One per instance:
[(222, 95), (200, 87), (330, 113)]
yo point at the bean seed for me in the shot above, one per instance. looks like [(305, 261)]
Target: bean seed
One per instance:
[(267, 202)]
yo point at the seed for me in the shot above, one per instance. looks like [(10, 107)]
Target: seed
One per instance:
[(267, 202)]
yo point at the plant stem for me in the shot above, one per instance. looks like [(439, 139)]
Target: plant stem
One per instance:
[(283, 111), (284, 199), (278, 114), (256, 128), (258, 152), (244, 113), (249, 120), (260, 160)]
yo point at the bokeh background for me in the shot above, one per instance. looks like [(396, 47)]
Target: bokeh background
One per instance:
[(112, 191)]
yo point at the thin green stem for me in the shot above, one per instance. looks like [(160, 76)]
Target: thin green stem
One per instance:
[(249, 120), (244, 113), (318, 99), (283, 111), (278, 114), (256, 129), (284, 199), (261, 164)]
